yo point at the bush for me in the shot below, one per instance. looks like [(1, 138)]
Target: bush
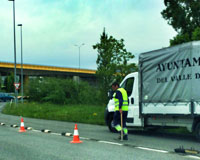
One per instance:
[(88, 94), (63, 91)]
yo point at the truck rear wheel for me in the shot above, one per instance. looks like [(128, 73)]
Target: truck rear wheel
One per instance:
[(197, 131)]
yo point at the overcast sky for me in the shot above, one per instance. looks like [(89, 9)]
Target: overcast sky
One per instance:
[(52, 28)]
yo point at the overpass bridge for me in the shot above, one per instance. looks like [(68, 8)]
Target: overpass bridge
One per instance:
[(48, 71)]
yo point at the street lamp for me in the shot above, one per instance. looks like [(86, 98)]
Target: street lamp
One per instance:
[(79, 48), (15, 79), (22, 87)]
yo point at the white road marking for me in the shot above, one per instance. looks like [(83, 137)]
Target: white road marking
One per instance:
[(150, 149), (194, 157), (84, 138), (107, 142)]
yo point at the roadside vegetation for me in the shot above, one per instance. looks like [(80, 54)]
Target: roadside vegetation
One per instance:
[(62, 91), (91, 114), (60, 99)]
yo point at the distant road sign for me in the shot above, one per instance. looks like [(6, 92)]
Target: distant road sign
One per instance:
[(17, 85)]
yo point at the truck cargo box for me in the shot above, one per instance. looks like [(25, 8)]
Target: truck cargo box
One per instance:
[(169, 80)]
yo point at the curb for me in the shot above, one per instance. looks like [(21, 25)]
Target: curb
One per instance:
[(28, 128), (14, 125), (66, 134)]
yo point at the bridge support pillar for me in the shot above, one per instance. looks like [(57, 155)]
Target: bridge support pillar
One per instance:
[(26, 83), (76, 79)]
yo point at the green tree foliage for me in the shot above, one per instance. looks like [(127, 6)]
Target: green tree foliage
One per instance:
[(62, 91), (112, 61), (196, 34), (9, 83), (180, 38), (184, 17)]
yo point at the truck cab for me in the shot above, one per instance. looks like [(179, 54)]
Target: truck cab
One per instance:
[(130, 84)]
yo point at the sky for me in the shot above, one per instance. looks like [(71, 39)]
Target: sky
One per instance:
[(52, 29)]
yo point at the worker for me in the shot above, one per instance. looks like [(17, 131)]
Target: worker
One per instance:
[(121, 107)]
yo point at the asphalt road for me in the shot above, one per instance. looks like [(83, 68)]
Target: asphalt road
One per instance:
[(98, 142)]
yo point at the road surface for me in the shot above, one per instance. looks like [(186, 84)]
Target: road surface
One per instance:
[(98, 142)]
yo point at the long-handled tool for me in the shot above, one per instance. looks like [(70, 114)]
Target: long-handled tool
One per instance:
[(121, 126)]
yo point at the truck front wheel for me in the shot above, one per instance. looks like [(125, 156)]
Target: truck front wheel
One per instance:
[(111, 123), (197, 131)]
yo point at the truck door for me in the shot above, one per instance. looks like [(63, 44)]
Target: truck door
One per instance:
[(130, 85)]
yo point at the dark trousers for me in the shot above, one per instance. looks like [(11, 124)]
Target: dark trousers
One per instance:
[(117, 118)]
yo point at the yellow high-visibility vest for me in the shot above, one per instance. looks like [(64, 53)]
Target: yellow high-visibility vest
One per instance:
[(125, 100)]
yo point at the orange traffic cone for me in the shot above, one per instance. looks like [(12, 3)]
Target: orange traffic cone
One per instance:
[(76, 136), (22, 129)]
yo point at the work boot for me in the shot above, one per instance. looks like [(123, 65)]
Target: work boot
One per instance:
[(125, 137), (119, 137)]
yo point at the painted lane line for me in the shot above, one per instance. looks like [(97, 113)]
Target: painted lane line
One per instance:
[(150, 149), (107, 142), (194, 157), (84, 138)]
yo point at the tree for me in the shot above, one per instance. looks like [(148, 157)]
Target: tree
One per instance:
[(112, 61), (180, 38), (9, 83), (184, 17), (0, 82), (196, 34)]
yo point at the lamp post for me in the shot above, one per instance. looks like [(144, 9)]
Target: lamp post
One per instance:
[(15, 79), (22, 87), (79, 50)]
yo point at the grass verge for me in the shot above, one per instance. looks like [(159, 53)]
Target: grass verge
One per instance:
[(71, 113)]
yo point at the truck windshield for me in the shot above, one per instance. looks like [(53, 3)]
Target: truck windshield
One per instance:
[(128, 85)]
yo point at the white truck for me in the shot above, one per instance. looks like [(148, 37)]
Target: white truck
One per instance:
[(165, 92)]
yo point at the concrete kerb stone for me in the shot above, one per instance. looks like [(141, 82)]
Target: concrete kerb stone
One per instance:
[(45, 131), (28, 128), (186, 151), (14, 125), (66, 134)]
